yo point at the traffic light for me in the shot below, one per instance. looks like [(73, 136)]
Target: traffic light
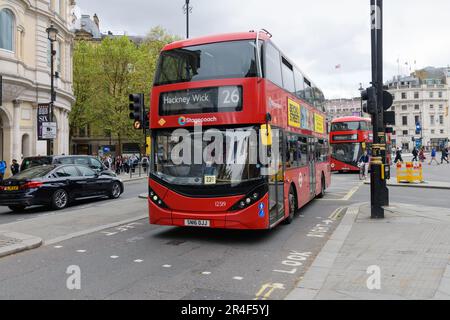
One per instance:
[(137, 109), (418, 128), (370, 97)]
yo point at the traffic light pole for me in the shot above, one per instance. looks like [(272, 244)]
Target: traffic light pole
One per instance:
[(379, 194)]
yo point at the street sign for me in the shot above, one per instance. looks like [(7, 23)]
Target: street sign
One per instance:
[(48, 130), (418, 143)]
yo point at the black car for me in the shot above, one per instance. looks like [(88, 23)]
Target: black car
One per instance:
[(90, 161), (56, 186)]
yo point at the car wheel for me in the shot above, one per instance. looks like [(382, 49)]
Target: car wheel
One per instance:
[(115, 191), (17, 208), (292, 207), (60, 199)]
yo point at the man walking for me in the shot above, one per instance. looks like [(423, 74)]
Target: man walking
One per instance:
[(15, 168), (415, 153), (433, 156), (444, 155), (398, 155)]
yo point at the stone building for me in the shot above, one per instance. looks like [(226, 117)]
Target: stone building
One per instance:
[(25, 69)]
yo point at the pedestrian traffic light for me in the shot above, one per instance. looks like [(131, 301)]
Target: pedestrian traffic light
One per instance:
[(370, 97), (137, 109), (418, 128)]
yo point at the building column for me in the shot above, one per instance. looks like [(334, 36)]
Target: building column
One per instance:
[(16, 138)]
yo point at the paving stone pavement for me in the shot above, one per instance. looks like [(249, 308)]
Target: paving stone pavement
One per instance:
[(411, 246)]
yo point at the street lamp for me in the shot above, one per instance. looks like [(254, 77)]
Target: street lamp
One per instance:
[(187, 9), (360, 91), (52, 33)]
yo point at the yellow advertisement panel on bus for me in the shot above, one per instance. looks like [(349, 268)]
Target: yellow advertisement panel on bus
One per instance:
[(293, 114)]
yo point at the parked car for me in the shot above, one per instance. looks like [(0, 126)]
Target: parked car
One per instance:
[(56, 186), (90, 161)]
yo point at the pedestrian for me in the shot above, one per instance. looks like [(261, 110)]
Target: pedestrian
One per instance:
[(363, 163), (118, 164), (444, 155), (415, 153), (2, 169), (433, 156), (398, 155), (15, 168), (422, 155)]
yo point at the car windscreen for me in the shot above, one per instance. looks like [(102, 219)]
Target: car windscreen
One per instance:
[(34, 172), (33, 162)]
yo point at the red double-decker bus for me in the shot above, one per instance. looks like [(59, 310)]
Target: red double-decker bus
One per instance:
[(349, 137), (238, 135)]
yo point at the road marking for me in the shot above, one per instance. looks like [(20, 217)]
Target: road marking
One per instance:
[(206, 273), (81, 251), (238, 278), (114, 257), (351, 192), (335, 213), (138, 260), (167, 266), (267, 289), (57, 247)]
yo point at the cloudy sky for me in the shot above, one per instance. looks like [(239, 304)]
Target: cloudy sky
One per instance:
[(317, 35)]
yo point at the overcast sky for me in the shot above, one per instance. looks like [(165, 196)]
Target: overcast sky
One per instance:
[(317, 35)]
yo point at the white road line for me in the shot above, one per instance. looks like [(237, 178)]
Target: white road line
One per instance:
[(114, 257), (57, 247), (81, 251), (138, 260), (206, 273), (238, 278), (167, 266)]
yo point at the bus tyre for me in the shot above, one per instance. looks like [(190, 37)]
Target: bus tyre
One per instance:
[(16, 208), (60, 199), (292, 207), (322, 188)]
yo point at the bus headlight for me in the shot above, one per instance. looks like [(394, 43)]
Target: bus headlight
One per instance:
[(252, 197), (156, 199)]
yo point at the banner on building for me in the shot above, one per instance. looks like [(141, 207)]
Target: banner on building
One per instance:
[(46, 128)]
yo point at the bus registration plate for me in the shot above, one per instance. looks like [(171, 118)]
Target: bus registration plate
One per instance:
[(196, 223)]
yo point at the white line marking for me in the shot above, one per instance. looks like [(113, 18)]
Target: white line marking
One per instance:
[(57, 247), (81, 251), (138, 260), (206, 273), (114, 257), (238, 278), (167, 266)]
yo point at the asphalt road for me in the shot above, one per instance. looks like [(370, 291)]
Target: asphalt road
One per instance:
[(132, 190), (141, 261)]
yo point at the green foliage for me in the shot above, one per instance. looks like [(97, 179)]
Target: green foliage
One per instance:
[(106, 73)]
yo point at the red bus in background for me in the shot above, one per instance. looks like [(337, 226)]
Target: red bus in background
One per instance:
[(233, 84), (349, 137)]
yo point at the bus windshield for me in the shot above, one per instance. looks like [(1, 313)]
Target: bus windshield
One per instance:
[(347, 152), (220, 60), (234, 168), (349, 126)]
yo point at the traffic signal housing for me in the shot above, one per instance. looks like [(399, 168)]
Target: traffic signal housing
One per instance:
[(137, 109), (418, 128), (369, 98)]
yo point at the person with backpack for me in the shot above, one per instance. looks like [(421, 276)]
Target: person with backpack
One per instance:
[(415, 153)]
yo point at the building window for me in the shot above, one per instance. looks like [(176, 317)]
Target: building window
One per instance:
[(431, 94), (432, 131), (441, 119), (405, 120), (403, 95), (416, 95), (432, 120), (416, 119), (431, 106), (393, 108), (405, 132), (440, 94), (416, 107), (6, 30), (442, 131), (441, 107), (404, 107)]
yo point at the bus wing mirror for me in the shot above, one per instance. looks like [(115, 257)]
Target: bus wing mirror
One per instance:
[(266, 134)]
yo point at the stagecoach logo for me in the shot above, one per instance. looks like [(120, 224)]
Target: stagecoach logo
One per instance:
[(183, 120)]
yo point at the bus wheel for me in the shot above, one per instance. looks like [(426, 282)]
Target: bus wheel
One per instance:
[(322, 188), (292, 207)]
